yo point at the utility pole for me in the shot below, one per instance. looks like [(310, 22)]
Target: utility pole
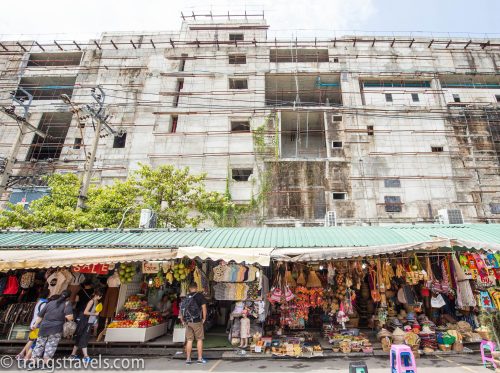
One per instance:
[(7, 163), (97, 112)]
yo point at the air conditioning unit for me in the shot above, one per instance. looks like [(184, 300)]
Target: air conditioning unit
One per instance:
[(330, 219), (450, 216), (147, 219)]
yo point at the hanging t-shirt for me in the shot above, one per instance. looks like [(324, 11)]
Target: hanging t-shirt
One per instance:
[(252, 270), (56, 283), (219, 273)]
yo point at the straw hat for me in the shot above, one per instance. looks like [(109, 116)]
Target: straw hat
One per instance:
[(426, 330), (398, 332)]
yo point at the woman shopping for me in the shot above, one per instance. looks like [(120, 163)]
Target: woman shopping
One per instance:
[(51, 320), (86, 321)]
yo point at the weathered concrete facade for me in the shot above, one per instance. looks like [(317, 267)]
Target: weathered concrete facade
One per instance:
[(379, 130)]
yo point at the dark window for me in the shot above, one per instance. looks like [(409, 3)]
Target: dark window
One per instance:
[(336, 144), (337, 118), (78, 143), (238, 83), (240, 126), (47, 88), (370, 131), (393, 204), (182, 64), (55, 59), (339, 196), (236, 37), (388, 97), (119, 141), (497, 97), (241, 174), (298, 55), (173, 124), (237, 59), (437, 149), (392, 183), (495, 208), (56, 126), (456, 98), (414, 97), (335, 60)]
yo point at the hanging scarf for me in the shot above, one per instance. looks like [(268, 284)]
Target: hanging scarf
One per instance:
[(465, 296), (464, 263), (472, 265), (482, 270)]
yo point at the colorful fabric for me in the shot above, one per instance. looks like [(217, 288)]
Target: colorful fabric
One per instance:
[(485, 300)]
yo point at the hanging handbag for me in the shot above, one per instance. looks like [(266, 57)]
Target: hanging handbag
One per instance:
[(289, 279), (313, 280), (301, 280), (12, 286), (288, 295), (437, 301), (375, 293), (275, 294)]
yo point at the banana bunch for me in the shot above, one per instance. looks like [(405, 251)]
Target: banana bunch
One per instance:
[(169, 277)]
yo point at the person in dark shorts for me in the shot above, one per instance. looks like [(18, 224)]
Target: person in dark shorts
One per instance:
[(193, 316), (87, 320)]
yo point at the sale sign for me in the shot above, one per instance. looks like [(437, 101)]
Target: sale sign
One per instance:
[(93, 269)]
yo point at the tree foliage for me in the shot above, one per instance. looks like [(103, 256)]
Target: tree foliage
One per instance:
[(179, 198)]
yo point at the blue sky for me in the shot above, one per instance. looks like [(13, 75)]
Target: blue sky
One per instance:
[(79, 19)]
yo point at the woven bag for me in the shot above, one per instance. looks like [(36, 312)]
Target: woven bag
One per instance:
[(313, 280)]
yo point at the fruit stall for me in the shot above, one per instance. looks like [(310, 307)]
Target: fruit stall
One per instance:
[(136, 322)]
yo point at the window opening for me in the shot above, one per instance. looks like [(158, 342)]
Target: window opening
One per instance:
[(241, 174), (237, 59), (119, 141), (236, 37), (339, 196), (235, 83), (78, 143), (240, 126), (392, 183), (393, 204)]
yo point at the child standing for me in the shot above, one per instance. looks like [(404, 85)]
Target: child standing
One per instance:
[(244, 329)]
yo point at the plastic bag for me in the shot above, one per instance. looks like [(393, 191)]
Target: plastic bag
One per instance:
[(69, 329)]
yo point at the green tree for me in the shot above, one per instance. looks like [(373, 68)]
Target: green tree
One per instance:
[(179, 198)]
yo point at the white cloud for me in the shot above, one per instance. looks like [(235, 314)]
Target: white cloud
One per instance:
[(82, 19)]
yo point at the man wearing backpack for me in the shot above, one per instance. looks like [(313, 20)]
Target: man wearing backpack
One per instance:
[(193, 316)]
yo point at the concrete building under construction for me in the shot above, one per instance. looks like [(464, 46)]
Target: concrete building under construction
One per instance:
[(337, 131)]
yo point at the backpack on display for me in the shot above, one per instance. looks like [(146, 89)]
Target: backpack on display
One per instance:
[(190, 310)]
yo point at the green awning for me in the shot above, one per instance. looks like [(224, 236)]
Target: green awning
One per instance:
[(487, 235)]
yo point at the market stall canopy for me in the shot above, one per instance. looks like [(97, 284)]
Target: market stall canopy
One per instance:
[(29, 259), (260, 256), (328, 253)]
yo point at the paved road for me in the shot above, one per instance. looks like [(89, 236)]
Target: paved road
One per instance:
[(449, 364)]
